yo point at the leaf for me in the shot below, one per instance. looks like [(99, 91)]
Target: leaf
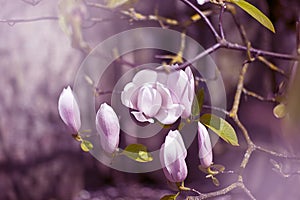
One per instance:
[(280, 110), (137, 152), (203, 169), (198, 102), (221, 128), (86, 146), (216, 182), (217, 167), (119, 3), (169, 197), (255, 13)]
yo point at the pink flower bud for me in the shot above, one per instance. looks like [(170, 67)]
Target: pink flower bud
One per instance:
[(108, 127), (205, 150), (68, 109), (172, 157)]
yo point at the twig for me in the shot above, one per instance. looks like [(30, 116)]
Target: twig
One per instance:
[(276, 154), (239, 89), (32, 2), (201, 55), (12, 22), (259, 97), (220, 21), (217, 36)]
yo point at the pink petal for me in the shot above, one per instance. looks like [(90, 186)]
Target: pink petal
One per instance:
[(172, 157), (205, 149), (69, 110), (108, 127)]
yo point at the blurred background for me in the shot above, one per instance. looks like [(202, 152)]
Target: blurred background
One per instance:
[(40, 160)]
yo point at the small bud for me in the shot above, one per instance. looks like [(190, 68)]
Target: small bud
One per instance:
[(201, 2), (172, 157), (205, 150), (69, 110), (108, 127)]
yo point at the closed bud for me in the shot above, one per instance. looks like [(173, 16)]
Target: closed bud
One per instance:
[(69, 110), (205, 150), (201, 2), (172, 157), (108, 127)]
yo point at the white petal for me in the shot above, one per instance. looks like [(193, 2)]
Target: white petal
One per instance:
[(169, 115), (165, 94), (127, 93), (149, 101), (141, 117), (201, 2), (177, 83), (144, 76)]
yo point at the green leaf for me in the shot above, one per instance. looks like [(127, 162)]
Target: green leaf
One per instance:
[(86, 145), (215, 181), (198, 102), (220, 127), (280, 110), (137, 152), (217, 167), (169, 197), (255, 13)]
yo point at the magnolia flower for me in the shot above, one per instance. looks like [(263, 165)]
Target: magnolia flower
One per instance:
[(108, 127), (205, 150), (172, 157), (160, 95), (68, 109), (201, 2)]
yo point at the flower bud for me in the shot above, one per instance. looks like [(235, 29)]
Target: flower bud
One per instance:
[(68, 109), (201, 2), (205, 150), (172, 157), (108, 127)]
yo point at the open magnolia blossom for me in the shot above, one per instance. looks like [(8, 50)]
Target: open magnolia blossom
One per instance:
[(162, 95), (201, 2), (205, 150), (108, 127), (172, 157), (69, 110)]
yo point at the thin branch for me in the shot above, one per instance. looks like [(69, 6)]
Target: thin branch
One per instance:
[(276, 154), (239, 89), (257, 96), (220, 21), (201, 55), (217, 36), (12, 22), (32, 2), (259, 52)]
